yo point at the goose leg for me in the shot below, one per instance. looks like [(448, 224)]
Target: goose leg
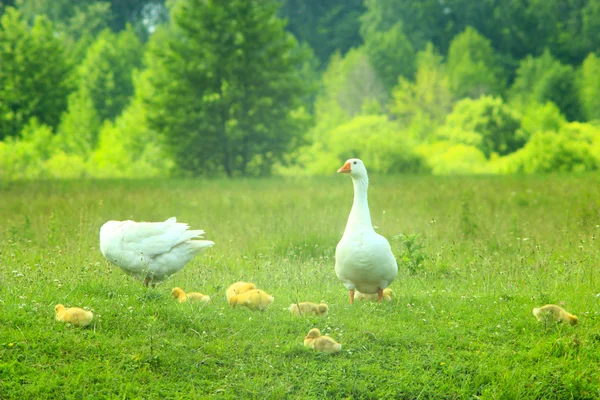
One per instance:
[(379, 295), (351, 292)]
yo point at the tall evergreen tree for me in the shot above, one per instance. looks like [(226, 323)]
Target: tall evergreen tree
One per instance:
[(472, 66), (227, 93), (34, 73), (589, 87)]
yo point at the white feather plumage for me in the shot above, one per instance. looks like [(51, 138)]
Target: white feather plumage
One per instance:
[(151, 251)]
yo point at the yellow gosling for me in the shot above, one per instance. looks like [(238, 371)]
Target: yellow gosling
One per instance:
[(238, 288), (253, 299), (387, 295), (552, 312), (182, 296), (314, 340), (74, 315), (308, 308), (197, 296)]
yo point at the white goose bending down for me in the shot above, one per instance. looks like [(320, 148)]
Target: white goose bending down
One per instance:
[(363, 258), (151, 251)]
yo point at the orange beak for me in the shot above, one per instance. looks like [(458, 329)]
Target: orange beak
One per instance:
[(346, 169)]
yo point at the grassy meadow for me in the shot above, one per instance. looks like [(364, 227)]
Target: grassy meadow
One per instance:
[(476, 254)]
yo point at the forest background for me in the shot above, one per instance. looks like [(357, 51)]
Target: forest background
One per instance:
[(151, 88)]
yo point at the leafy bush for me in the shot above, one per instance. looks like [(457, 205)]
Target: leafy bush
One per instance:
[(486, 123), (377, 141), (541, 117), (446, 158), (551, 152), (129, 148), (541, 79), (24, 157)]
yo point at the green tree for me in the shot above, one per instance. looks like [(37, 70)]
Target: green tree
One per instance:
[(421, 21), (472, 66), (424, 103), (588, 85), (486, 123), (227, 94), (104, 88), (106, 71), (76, 23), (391, 54), (79, 126), (34, 73), (348, 84), (541, 79), (326, 26)]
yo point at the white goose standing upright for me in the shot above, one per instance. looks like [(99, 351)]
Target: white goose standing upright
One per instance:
[(363, 258)]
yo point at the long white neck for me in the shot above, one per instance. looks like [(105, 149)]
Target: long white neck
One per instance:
[(360, 216)]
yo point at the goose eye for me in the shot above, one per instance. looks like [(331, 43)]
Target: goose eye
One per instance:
[(354, 163)]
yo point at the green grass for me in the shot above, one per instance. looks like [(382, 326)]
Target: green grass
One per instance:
[(477, 255)]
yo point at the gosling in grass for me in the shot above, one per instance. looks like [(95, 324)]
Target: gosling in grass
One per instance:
[(182, 296), (314, 340), (74, 315), (552, 312), (387, 295), (238, 288), (253, 299), (308, 308)]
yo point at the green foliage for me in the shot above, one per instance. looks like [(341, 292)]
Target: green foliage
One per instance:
[(34, 74), (377, 141), (105, 74), (541, 79), (472, 66), (588, 85), (348, 86), (24, 157), (105, 86), (391, 54), (541, 117), (79, 127), (129, 148), (427, 100), (486, 123), (227, 93), (421, 21), (447, 158), (412, 255), (553, 152), (327, 26)]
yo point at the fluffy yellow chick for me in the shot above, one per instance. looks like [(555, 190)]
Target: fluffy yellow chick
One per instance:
[(74, 315), (552, 312), (387, 295), (238, 288), (314, 340), (253, 299), (308, 308), (182, 296)]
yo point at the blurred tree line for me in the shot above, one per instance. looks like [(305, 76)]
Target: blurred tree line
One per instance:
[(139, 88)]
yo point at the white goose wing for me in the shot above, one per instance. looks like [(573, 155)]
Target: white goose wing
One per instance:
[(157, 247), (156, 238)]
